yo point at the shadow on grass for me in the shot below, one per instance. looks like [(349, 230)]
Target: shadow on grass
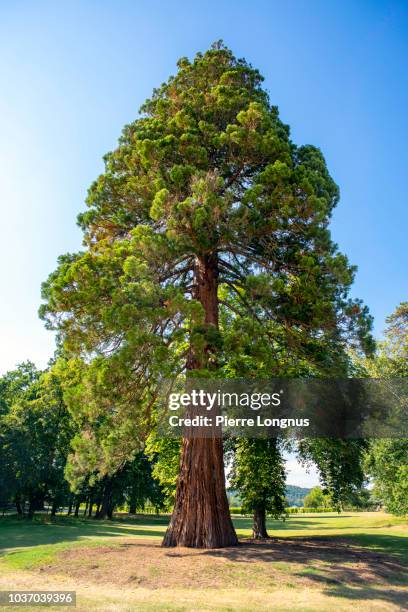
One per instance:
[(16, 532), (389, 551), (394, 545), (44, 530), (298, 523), (362, 567), (374, 570), (342, 581), (397, 598)]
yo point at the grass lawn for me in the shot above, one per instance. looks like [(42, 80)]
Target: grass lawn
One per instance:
[(353, 561)]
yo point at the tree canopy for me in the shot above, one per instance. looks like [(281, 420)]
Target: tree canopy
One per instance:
[(205, 210), (387, 459)]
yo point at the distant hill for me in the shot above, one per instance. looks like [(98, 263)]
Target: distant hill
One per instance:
[(294, 496), (234, 499)]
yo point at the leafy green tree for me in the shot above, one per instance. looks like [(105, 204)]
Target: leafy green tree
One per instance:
[(204, 194), (36, 432), (391, 357), (387, 463), (259, 477), (56, 433), (164, 455), (132, 484), (387, 459), (362, 499), (340, 463), (316, 499), (16, 386), (142, 486)]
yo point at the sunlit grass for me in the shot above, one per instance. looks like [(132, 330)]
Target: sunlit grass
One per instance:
[(24, 544)]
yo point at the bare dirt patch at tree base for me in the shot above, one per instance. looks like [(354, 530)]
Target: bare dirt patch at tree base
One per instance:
[(292, 562)]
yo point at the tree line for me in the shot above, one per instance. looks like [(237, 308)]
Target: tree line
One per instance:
[(36, 436), (43, 461)]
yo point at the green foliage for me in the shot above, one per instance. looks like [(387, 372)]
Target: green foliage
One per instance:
[(295, 495), (340, 463), (164, 454), (142, 486), (259, 476), (387, 460), (391, 357), (316, 499), (35, 436), (207, 176)]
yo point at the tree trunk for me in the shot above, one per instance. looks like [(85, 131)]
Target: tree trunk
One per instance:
[(54, 508), (39, 502), (86, 507), (76, 513), (259, 524), (19, 507), (69, 508), (90, 507), (31, 507), (106, 504), (132, 508), (201, 517)]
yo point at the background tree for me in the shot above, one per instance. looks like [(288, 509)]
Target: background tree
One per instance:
[(387, 459), (317, 499), (248, 355), (258, 475), (35, 436), (19, 479), (387, 463), (142, 487), (340, 464), (164, 455), (204, 191)]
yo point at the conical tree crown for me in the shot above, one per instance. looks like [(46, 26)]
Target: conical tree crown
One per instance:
[(206, 179), (210, 165)]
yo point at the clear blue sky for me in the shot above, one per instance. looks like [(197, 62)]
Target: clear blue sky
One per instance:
[(73, 73)]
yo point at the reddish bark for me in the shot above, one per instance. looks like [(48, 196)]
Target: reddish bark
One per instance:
[(201, 517)]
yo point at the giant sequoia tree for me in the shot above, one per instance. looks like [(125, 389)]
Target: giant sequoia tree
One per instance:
[(205, 199)]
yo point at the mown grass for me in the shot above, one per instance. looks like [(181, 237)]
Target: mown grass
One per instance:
[(298, 570), (24, 543)]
